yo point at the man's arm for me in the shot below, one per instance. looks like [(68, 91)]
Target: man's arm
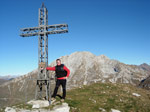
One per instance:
[(68, 71), (50, 68)]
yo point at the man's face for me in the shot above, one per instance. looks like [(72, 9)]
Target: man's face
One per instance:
[(58, 62)]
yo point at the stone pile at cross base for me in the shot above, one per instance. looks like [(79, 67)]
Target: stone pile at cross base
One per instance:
[(40, 106)]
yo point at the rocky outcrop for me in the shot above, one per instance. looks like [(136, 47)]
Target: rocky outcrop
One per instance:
[(40, 107), (145, 83), (38, 103)]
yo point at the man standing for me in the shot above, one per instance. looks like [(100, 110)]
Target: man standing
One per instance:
[(62, 73)]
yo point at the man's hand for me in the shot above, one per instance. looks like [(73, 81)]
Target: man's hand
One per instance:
[(41, 68)]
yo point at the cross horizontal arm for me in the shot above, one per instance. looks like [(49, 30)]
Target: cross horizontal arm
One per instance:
[(42, 33), (50, 29)]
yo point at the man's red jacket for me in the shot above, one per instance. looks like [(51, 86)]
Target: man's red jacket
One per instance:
[(65, 68)]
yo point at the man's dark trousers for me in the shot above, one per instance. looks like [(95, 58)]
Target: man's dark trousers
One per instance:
[(58, 83)]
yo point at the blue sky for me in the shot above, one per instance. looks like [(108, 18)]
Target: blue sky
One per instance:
[(119, 29)]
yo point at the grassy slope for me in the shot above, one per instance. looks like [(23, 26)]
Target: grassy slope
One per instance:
[(108, 96)]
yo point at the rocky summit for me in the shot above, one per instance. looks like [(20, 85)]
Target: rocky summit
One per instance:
[(86, 68)]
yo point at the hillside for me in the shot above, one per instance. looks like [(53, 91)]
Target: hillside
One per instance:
[(2, 81), (107, 96), (86, 68), (103, 97), (7, 78)]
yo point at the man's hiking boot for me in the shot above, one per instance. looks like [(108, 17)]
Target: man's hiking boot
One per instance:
[(62, 100), (53, 99)]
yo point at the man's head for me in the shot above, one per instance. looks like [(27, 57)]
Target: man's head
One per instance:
[(58, 61)]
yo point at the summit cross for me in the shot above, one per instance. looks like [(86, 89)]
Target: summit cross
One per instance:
[(42, 31)]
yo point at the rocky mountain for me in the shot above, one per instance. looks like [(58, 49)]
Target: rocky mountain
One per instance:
[(85, 67), (9, 77), (145, 67)]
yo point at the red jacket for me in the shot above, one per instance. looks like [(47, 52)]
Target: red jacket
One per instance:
[(65, 68)]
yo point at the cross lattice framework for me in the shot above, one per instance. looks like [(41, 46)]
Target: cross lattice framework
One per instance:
[(42, 31)]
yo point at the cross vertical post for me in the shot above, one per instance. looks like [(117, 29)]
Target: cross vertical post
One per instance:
[(42, 31), (43, 79)]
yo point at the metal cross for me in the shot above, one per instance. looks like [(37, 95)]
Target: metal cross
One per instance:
[(42, 31)]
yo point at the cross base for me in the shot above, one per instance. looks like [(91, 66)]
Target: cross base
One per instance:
[(42, 87)]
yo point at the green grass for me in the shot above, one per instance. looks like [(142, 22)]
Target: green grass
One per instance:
[(108, 96), (103, 95), (20, 105), (24, 106), (2, 110)]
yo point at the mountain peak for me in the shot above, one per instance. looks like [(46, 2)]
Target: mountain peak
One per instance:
[(145, 66), (103, 57), (83, 53), (87, 54)]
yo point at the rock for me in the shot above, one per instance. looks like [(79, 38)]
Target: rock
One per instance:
[(58, 108), (135, 94), (61, 108), (9, 109), (94, 101), (36, 106), (114, 110), (38, 103), (102, 110)]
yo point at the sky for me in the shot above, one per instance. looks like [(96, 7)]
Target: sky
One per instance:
[(118, 29)]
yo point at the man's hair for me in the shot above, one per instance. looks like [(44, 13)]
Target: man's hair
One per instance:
[(58, 60)]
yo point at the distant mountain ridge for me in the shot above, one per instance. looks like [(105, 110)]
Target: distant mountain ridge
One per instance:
[(8, 77), (86, 68)]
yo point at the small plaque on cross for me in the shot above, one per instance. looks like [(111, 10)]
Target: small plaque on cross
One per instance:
[(42, 65)]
